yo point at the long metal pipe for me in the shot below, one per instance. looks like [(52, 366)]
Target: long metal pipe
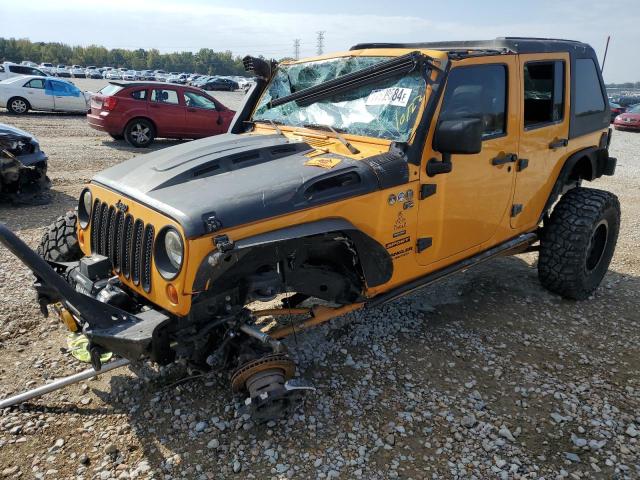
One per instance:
[(62, 382)]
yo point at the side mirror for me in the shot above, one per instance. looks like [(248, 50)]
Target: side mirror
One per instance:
[(462, 136)]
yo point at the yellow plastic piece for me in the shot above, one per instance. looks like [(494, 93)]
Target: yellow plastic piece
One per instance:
[(78, 346)]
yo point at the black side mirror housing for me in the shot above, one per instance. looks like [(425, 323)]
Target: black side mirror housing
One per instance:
[(462, 137)]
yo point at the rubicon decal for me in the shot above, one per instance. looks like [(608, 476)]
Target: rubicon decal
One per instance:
[(398, 242)]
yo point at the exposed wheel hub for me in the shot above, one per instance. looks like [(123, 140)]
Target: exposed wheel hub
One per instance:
[(268, 382)]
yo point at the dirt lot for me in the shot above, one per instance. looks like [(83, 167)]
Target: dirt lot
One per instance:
[(484, 376)]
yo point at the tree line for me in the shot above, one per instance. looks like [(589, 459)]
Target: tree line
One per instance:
[(205, 60), (629, 85)]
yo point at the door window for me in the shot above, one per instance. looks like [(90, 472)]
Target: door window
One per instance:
[(543, 93), (192, 99), (589, 98), (165, 96), (478, 91), (139, 94), (35, 83)]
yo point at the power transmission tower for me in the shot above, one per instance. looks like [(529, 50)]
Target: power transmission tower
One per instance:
[(320, 44), (296, 49)]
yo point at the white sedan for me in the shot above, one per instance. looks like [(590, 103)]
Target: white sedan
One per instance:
[(21, 94)]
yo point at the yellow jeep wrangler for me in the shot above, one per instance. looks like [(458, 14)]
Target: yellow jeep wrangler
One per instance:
[(345, 181)]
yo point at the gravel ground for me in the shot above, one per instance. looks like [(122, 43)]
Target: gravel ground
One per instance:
[(486, 375)]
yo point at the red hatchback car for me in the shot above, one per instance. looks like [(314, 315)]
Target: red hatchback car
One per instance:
[(141, 111), (629, 120)]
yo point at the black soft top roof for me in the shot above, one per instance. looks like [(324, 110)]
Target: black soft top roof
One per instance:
[(498, 45)]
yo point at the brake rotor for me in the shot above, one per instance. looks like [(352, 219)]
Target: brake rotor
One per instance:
[(269, 363)]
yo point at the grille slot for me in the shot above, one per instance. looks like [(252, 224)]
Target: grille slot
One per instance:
[(125, 240), (147, 251), (136, 251), (126, 246)]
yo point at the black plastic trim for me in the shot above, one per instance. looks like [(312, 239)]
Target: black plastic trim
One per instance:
[(433, 277)]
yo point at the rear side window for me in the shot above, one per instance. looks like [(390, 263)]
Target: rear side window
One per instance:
[(165, 96), (588, 93), (35, 83), (543, 93), (139, 94), (478, 91), (110, 90)]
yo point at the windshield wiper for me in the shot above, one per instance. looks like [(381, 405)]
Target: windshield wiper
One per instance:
[(390, 68), (342, 140), (273, 123)]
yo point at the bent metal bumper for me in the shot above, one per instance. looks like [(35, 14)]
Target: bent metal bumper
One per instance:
[(130, 336)]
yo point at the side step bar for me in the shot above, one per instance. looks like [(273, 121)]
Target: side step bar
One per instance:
[(510, 247)]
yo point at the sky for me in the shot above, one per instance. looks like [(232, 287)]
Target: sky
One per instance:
[(269, 27)]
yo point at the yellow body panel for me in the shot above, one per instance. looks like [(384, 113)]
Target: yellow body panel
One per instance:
[(469, 213), (157, 294)]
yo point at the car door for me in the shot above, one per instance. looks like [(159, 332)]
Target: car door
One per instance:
[(167, 111), (67, 97), (461, 210), (544, 133), (36, 94), (202, 118)]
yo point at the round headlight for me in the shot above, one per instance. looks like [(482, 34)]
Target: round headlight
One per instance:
[(84, 208), (169, 253), (173, 246)]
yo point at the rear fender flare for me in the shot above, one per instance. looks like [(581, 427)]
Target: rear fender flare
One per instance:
[(376, 263), (581, 165)]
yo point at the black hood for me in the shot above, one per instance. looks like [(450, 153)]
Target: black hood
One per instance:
[(229, 180)]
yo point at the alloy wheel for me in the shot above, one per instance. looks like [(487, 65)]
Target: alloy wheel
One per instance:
[(19, 106), (140, 133)]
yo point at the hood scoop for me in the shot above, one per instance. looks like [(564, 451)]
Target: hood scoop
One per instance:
[(227, 162)]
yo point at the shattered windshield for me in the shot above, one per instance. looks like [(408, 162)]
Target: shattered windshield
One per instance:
[(386, 109)]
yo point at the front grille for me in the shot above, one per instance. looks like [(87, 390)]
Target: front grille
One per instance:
[(125, 240)]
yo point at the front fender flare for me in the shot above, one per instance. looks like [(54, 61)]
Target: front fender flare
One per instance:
[(376, 263)]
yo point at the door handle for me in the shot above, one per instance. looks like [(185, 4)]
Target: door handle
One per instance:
[(563, 142), (191, 109), (508, 158)]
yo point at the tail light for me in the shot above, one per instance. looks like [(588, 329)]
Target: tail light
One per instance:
[(109, 103)]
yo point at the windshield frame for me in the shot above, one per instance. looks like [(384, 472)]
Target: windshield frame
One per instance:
[(426, 68)]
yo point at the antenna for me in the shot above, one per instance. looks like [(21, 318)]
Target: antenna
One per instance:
[(296, 49), (320, 43), (606, 49)]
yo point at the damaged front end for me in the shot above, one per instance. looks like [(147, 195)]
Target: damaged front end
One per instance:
[(108, 327), (23, 167)]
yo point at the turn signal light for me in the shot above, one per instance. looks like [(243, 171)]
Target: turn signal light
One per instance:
[(172, 294)]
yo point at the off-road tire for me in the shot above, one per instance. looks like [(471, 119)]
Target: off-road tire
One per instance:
[(60, 241), (134, 128), (578, 242), (18, 105)]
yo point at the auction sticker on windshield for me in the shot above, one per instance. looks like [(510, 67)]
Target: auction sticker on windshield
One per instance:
[(389, 96)]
